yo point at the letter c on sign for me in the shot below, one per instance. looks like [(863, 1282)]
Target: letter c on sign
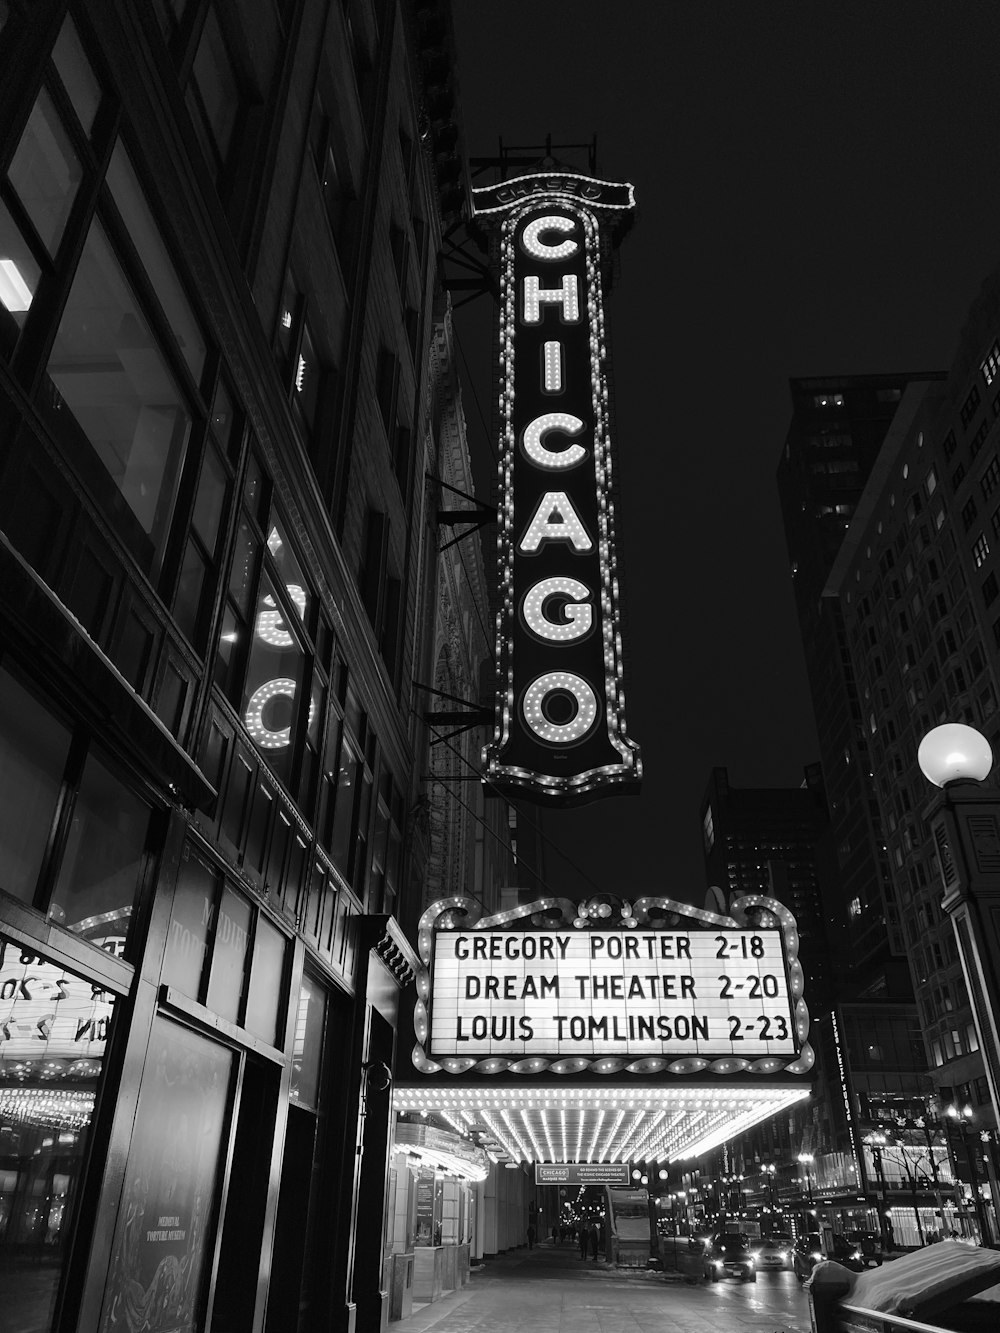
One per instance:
[(539, 249), (559, 733), (579, 614), (533, 440)]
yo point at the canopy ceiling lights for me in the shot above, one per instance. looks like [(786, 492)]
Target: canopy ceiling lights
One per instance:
[(560, 1124)]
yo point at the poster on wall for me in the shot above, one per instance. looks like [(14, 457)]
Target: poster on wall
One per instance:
[(164, 1232)]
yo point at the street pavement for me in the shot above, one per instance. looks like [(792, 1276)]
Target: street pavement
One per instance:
[(549, 1289)]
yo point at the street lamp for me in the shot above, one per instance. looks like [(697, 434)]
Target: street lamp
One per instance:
[(806, 1160), (961, 1118), (876, 1140), (965, 826), (768, 1170)]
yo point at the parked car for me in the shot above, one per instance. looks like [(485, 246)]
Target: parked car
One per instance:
[(729, 1254), (773, 1251)]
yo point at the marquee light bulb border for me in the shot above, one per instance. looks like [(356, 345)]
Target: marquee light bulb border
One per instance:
[(542, 220), (466, 912)]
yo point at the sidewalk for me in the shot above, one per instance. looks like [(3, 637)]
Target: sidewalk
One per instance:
[(551, 1290)]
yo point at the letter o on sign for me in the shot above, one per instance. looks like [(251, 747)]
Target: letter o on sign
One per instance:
[(567, 682)]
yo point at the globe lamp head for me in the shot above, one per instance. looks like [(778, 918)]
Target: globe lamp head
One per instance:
[(953, 753)]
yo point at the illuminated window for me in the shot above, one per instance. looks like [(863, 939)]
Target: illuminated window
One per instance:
[(991, 364), (708, 824), (931, 482), (980, 550)]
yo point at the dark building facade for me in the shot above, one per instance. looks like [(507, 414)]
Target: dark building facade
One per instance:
[(917, 583), (219, 300), (837, 429), (775, 841)]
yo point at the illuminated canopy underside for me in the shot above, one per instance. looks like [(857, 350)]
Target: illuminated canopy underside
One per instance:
[(607, 1124)]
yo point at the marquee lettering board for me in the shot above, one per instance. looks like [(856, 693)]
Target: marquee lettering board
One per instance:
[(638, 993)]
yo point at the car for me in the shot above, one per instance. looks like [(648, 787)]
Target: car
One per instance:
[(855, 1250), (806, 1254), (729, 1254), (774, 1251)]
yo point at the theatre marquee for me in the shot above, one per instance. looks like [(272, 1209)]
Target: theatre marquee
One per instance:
[(706, 993)]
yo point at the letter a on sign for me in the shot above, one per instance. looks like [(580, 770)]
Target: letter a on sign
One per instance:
[(560, 734)]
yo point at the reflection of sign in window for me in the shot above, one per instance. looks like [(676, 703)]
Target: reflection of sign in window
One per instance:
[(277, 657), (47, 1013)]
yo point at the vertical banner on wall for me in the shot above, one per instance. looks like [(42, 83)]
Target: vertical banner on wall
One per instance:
[(560, 735)]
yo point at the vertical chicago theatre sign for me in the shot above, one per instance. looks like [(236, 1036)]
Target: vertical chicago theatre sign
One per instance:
[(560, 735)]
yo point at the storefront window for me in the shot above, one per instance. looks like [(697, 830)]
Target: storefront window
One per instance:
[(111, 375), (266, 982), (100, 871), (307, 1045), (35, 746), (53, 1034), (229, 955), (190, 922)]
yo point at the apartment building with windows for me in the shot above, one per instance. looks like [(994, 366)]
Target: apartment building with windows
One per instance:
[(917, 582), (223, 361), (834, 439)]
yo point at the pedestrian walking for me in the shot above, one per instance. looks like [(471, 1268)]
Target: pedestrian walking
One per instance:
[(584, 1236), (531, 1235), (594, 1239)]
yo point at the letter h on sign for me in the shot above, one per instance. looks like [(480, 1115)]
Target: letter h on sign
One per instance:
[(560, 735)]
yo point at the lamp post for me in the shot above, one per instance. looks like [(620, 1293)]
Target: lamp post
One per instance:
[(768, 1170), (964, 822), (876, 1141), (961, 1118), (805, 1160)]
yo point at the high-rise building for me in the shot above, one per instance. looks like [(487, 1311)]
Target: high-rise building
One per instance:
[(775, 841), (837, 429), (917, 584), (219, 295)]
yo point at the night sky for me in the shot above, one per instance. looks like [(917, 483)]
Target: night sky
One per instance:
[(818, 193)]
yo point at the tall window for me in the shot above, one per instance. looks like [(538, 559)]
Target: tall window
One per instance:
[(43, 182), (73, 835), (124, 369)]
